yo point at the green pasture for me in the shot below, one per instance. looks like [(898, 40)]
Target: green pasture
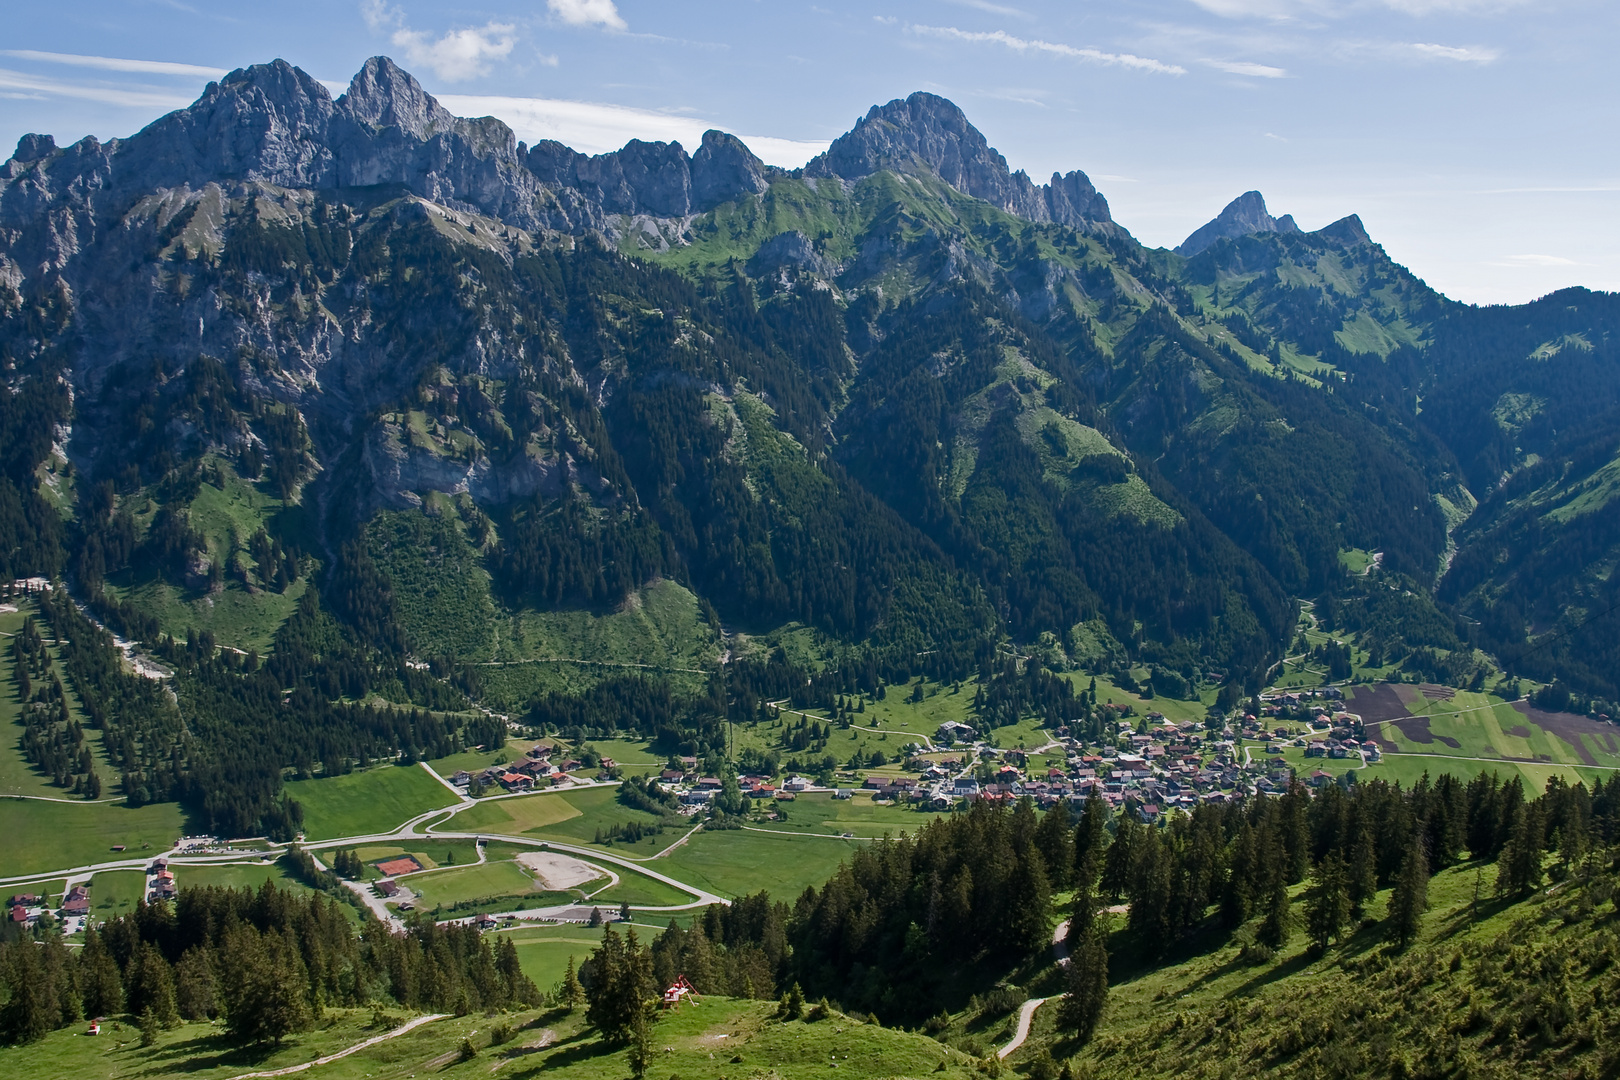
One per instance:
[(238, 876), (633, 755), (1173, 709), (570, 816), (115, 892), (376, 800), (201, 1051), (640, 890), (544, 952), (736, 862), (46, 836), (490, 879), (1355, 560), (820, 812), (474, 760)]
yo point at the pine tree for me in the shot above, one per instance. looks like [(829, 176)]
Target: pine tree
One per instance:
[(1278, 923), (99, 982), (1329, 906), (1518, 869), (1086, 985), (1411, 896), (195, 994), (1361, 884), (1056, 843), (641, 1049), (573, 994)]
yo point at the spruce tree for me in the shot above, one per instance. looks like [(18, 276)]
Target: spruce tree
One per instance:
[(1086, 984), (1278, 923), (1329, 906), (1518, 869), (1411, 896), (641, 1049), (1361, 883), (573, 994)]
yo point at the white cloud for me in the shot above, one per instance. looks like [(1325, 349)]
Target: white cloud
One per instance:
[(1001, 37), (1243, 67), (113, 63), (1468, 54), (602, 13), (594, 128), (132, 97), (457, 56)]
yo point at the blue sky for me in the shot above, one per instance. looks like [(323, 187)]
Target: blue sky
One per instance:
[(1476, 138)]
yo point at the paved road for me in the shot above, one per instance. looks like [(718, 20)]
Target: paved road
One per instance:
[(1025, 1016)]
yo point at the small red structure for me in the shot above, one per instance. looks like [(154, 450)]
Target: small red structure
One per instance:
[(679, 991)]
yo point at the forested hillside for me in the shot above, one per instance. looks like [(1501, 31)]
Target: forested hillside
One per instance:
[(320, 442)]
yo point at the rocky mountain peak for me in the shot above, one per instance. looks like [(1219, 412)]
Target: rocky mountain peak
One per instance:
[(32, 147), (1243, 216), (928, 133), (383, 94), (1347, 230)]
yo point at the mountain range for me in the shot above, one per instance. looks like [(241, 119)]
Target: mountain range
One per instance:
[(903, 402)]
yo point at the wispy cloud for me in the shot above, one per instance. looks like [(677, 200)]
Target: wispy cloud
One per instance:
[(1086, 53), (594, 128), (456, 56), (1468, 54), (1297, 9), (994, 9), (132, 97), (1244, 67), (603, 13), (113, 63)]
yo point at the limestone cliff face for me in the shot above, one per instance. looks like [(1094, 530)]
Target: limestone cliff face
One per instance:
[(927, 132)]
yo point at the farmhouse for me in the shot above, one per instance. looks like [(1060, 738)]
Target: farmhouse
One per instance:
[(405, 864)]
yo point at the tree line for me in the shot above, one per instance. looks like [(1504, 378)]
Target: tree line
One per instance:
[(265, 962)]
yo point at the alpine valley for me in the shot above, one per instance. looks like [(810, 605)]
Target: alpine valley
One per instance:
[(343, 434)]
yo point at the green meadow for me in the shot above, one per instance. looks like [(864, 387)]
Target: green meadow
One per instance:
[(46, 836), (736, 862), (374, 801)]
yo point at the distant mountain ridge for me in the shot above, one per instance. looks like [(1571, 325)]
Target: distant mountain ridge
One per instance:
[(1243, 216)]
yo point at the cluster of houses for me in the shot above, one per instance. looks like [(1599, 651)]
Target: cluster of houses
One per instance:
[(26, 909), (160, 881), (1164, 767), (543, 766)]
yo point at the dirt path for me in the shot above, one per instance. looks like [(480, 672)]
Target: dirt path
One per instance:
[(696, 828), (1025, 1016), (373, 1041), (458, 793)]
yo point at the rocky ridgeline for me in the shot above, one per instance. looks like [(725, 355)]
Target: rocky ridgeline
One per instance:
[(274, 124)]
